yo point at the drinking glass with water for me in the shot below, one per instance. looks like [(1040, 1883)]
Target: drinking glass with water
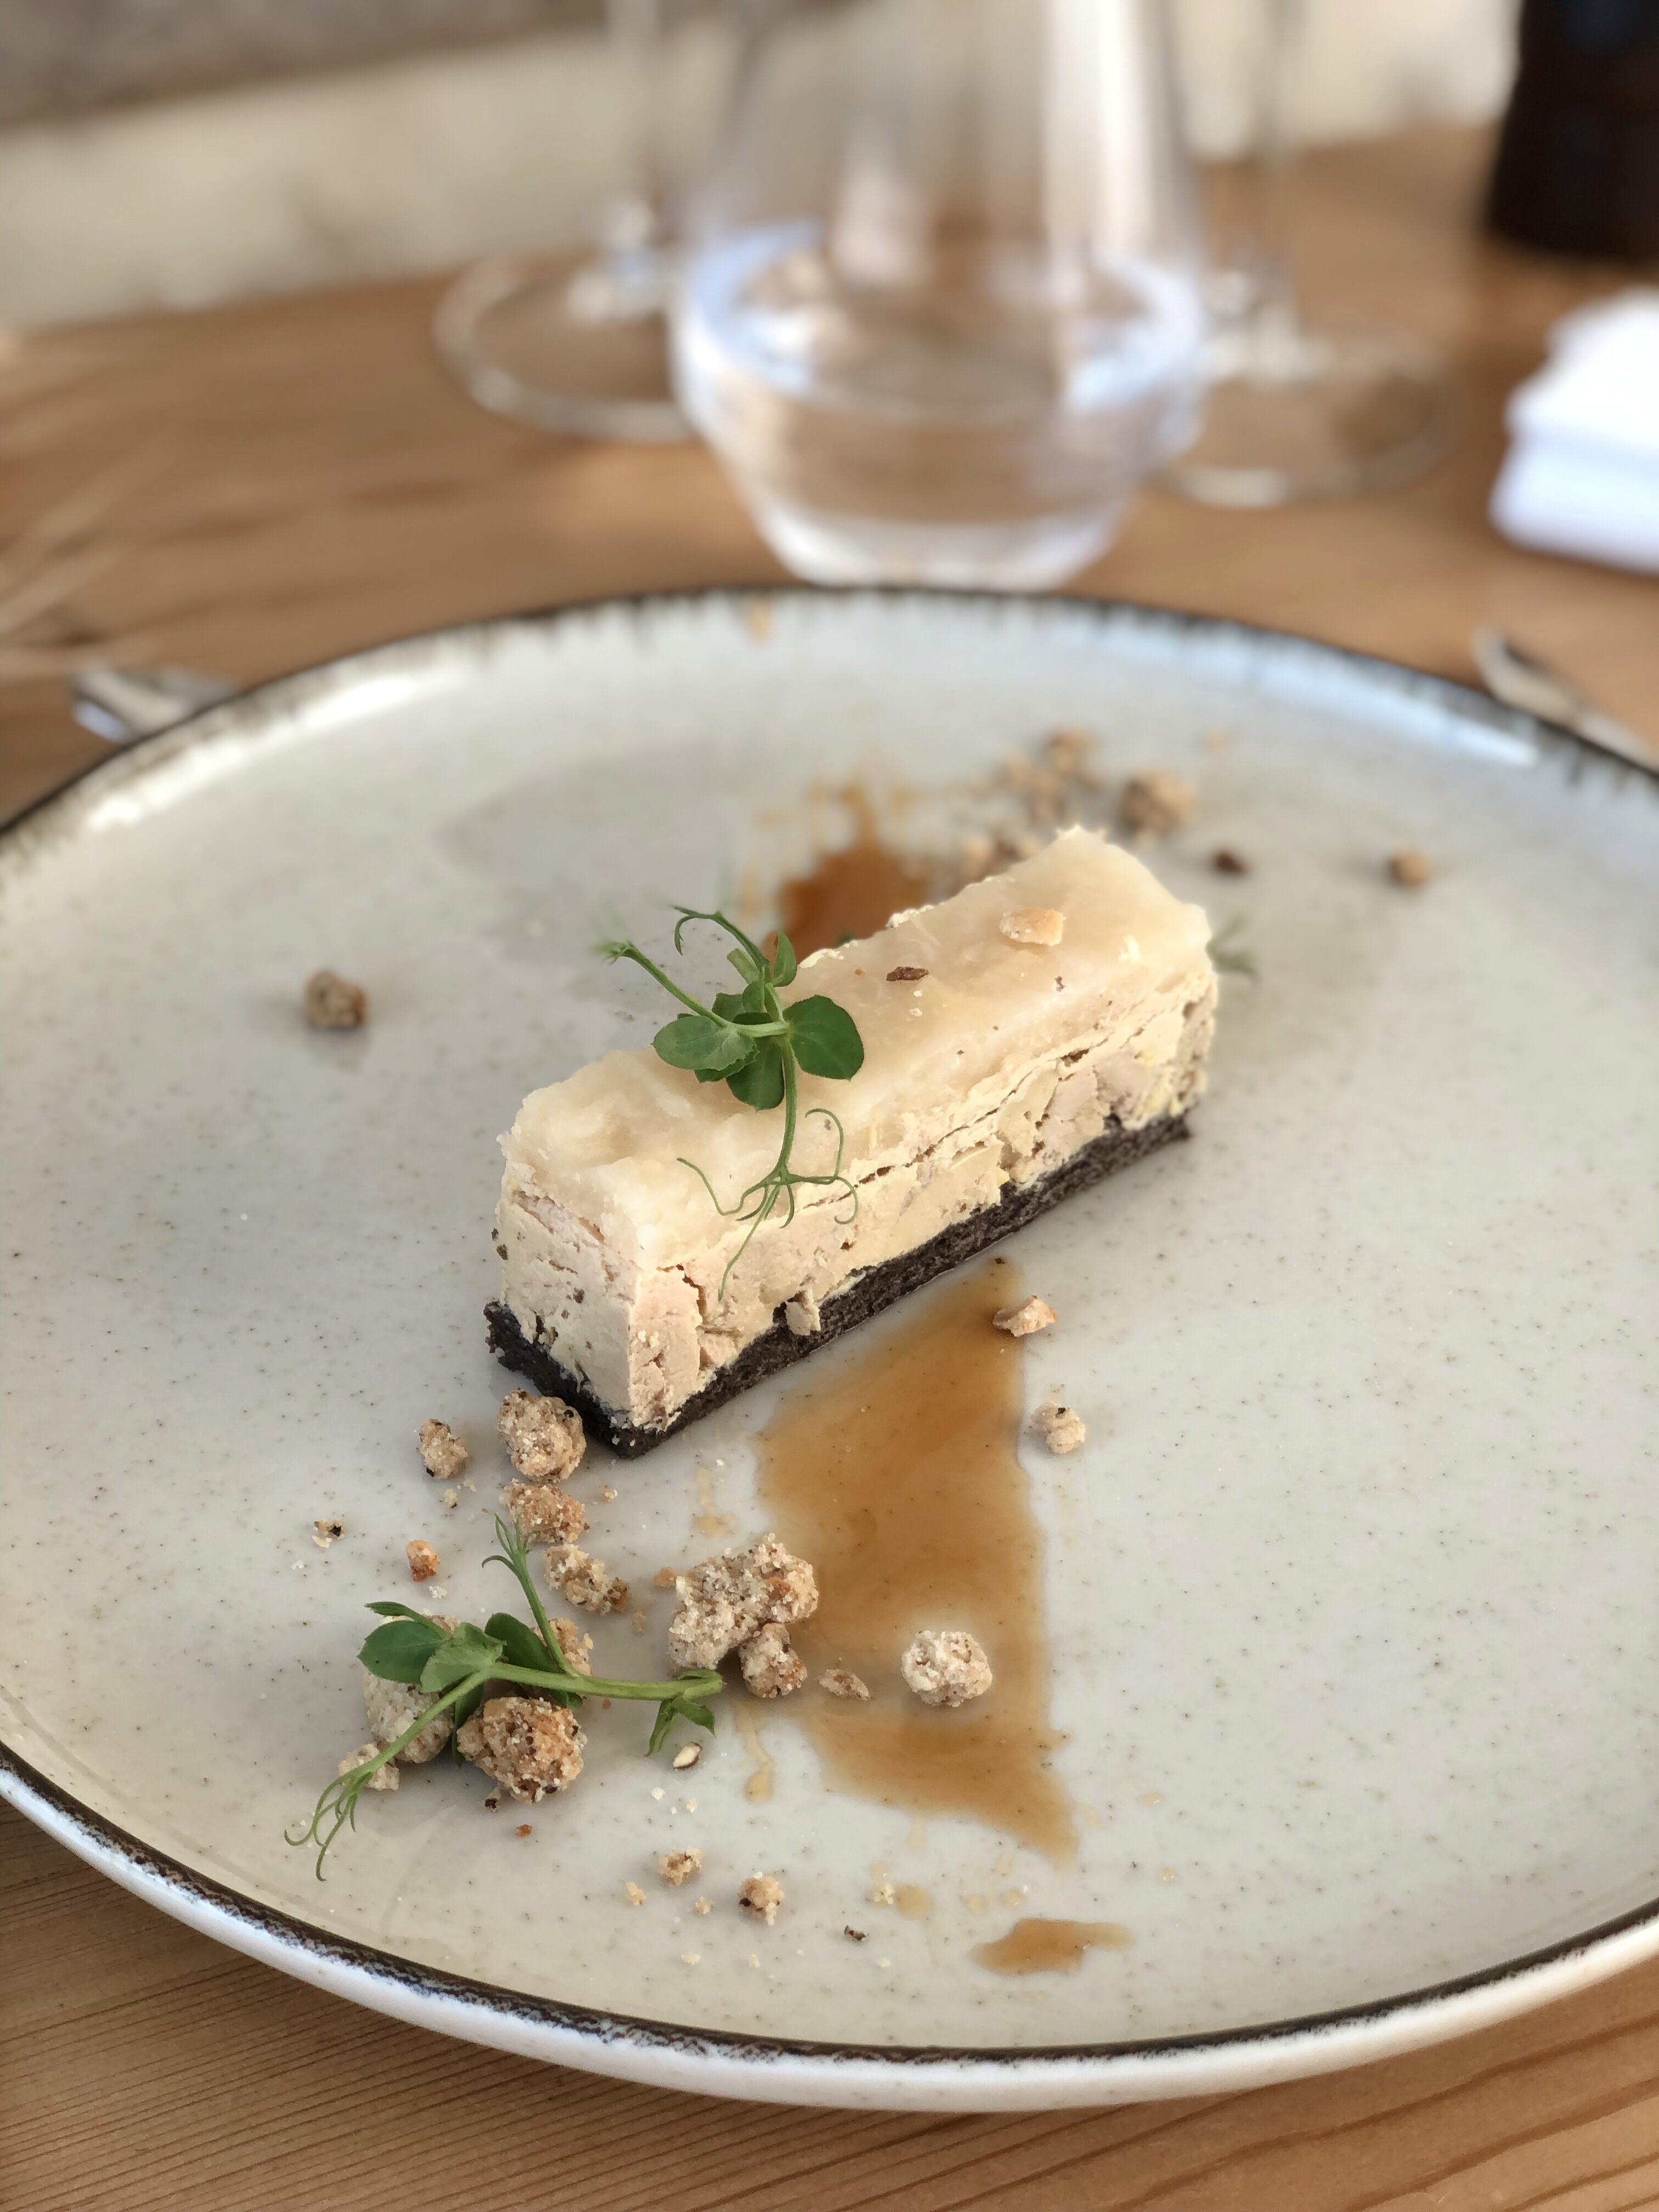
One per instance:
[(940, 313)]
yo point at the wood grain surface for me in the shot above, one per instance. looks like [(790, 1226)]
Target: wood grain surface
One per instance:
[(263, 486)]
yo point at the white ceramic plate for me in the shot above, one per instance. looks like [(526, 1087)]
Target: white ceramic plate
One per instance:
[(1349, 1592)]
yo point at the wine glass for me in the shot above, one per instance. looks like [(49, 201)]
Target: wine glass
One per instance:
[(576, 339), (1296, 409), (941, 310)]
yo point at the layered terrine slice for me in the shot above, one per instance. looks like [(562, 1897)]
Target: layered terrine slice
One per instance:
[(1021, 1040)]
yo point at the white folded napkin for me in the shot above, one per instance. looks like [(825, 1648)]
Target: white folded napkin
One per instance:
[(1582, 475)]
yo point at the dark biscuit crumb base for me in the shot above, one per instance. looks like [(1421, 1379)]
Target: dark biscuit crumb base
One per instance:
[(895, 1278)]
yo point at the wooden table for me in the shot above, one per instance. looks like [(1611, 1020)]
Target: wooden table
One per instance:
[(261, 486)]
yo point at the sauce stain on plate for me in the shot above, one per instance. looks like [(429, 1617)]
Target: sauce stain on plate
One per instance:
[(1049, 1947), (854, 890), (896, 1471)]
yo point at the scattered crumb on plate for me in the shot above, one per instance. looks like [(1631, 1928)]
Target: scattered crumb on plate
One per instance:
[(946, 1666), (1060, 1428), (544, 1437), (1026, 1318), (444, 1454), (331, 1003), (760, 1897)]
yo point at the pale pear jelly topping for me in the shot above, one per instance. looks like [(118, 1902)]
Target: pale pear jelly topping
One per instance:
[(1000, 1064)]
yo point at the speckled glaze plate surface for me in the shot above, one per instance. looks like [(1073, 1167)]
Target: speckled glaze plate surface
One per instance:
[(1349, 1592)]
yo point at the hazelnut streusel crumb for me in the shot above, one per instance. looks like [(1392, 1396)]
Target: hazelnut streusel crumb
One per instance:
[(423, 1559), (331, 1003), (676, 1868), (544, 1437), (770, 1668), (583, 1580), (841, 1682), (1060, 1429), (1026, 1318), (946, 1666), (760, 1897), (726, 1600), (635, 1894), (884, 1893), (577, 1647), (1155, 803), (1409, 868), (545, 1513), (385, 1779), (531, 1746), (702, 1908), (664, 1578), (327, 1533), (392, 1706), (1033, 924), (445, 1455), (907, 974)]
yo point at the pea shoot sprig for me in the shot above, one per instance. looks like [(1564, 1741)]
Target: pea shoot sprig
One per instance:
[(757, 1047), (457, 1665), (1227, 956)]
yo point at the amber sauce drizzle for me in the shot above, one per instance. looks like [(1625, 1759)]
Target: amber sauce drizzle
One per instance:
[(1049, 1947), (852, 891), (896, 1473)]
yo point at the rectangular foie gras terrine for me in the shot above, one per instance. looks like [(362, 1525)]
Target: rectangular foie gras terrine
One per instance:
[(1006, 1075)]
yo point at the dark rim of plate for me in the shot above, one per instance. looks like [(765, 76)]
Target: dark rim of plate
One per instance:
[(603, 2029)]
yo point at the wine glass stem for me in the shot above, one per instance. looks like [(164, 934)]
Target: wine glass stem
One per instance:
[(639, 221), (1264, 249)]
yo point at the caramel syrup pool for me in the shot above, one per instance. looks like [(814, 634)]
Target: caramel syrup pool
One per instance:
[(1049, 1947), (897, 1474)]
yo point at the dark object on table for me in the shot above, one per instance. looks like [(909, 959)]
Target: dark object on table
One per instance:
[(1578, 168)]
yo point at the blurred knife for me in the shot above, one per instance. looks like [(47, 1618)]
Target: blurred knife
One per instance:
[(1535, 688)]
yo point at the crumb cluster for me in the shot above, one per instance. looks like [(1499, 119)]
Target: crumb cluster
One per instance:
[(444, 1454), (331, 1003), (577, 1647), (725, 1600), (423, 1559), (545, 1513), (676, 1868), (771, 1669), (1060, 1429), (841, 1682), (946, 1666), (1155, 803), (392, 1706), (530, 1745), (585, 1581), (1026, 1318), (387, 1777), (544, 1437), (760, 1897)]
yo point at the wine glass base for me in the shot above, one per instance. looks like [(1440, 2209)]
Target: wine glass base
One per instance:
[(1294, 414), (565, 340), (1031, 554)]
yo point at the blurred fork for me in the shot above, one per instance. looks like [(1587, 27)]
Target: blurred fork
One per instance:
[(120, 704)]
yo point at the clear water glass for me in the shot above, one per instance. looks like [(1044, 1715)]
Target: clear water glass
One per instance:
[(940, 312)]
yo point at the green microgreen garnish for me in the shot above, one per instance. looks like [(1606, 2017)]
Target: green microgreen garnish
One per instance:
[(1228, 957), (757, 1046), (456, 1665)]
